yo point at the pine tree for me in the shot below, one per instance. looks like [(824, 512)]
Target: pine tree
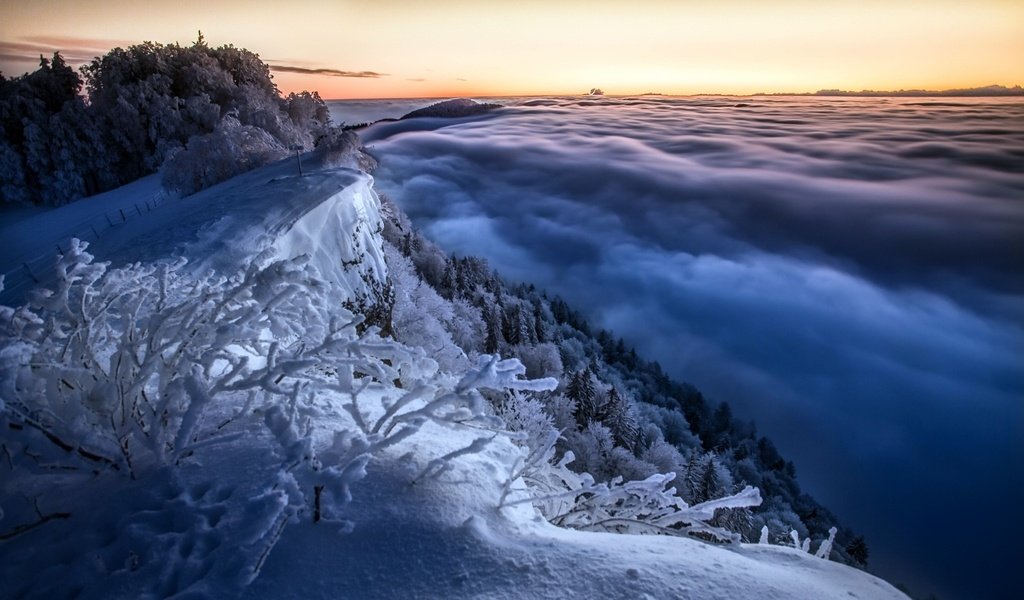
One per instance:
[(709, 487), (448, 289), (702, 480), (717, 432), (509, 324), (525, 325), (538, 324), (857, 549), (616, 416), (581, 391), (695, 466), (492, 342)]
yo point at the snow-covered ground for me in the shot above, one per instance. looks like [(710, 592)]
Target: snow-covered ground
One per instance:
[(220, 228), (416, 526), (445, 538)]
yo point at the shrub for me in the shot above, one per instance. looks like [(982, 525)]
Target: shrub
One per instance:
[(209, 159)]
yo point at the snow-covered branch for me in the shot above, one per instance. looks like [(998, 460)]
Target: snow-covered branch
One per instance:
[(575, 500)]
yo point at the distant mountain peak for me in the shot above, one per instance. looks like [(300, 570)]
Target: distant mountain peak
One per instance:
[(457, 107), (988, 90)]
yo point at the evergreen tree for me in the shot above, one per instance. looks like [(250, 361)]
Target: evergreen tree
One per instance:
[(616, 416), (524, 323), (857, 549), (50, 148), (695, 467), (716, 434), (581, 391), (509, 325), (448, 289), (492, 342), (709, 486), (703, 482), (540, 335)]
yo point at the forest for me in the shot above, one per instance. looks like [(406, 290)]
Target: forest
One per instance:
[(200, 114)]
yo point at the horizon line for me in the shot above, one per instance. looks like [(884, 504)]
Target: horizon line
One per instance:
[(1014, 91)]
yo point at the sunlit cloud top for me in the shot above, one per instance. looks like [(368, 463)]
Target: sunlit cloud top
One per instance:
[(388, 48)]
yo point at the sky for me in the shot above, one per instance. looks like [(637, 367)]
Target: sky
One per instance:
[(396, 49)]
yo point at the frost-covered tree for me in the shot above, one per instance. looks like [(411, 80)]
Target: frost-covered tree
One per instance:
[(147, 103), (51, 149), (231, 149), (420, 316), (541, 360), (580, 390), (615, 412), (160, 96), (307, 111)]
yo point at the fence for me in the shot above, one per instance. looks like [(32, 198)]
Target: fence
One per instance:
[(32, 272)]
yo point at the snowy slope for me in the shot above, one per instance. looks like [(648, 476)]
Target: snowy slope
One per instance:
[(416, 526), (445, 538), (331, 214)]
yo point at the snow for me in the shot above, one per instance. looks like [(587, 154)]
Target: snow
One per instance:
[(414, 472), (444, 538), (31, 236), (217, 229), (411, 536)]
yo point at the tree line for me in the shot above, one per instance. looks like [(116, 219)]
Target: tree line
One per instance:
[(617, 413), (208, 112)]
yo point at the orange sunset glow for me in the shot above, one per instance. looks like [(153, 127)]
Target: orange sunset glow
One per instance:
[(387, 48)]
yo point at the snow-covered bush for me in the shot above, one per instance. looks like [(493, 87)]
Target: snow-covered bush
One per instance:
[(338, 147), (825, 549), (526, 416), (541, 360), (329, 471), (229, 150), (118, 380), (121, 366), (115, 379), (572, 499)]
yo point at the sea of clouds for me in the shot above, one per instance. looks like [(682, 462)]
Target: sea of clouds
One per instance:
[(846, 272)]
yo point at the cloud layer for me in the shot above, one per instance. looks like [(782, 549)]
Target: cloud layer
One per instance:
[(846, 272), (280, 68), (74, 50)]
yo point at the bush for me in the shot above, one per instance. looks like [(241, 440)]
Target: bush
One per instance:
[(114, 380), (338, 147), (209, 159)]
